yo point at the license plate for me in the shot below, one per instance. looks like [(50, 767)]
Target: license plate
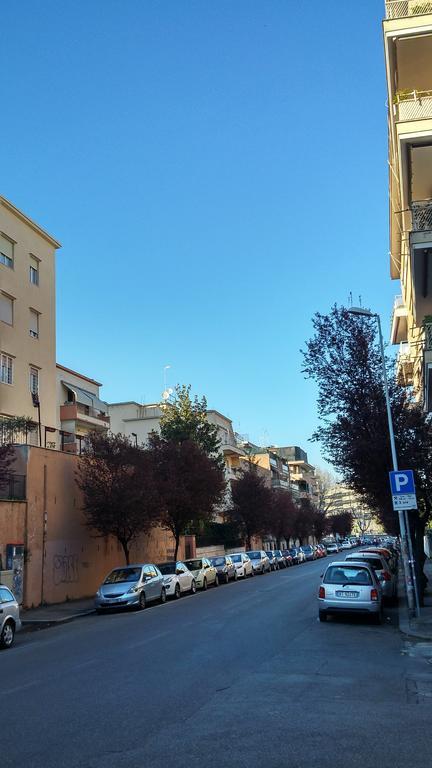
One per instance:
[(347, 594)]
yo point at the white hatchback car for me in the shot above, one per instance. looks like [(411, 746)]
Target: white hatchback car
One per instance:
[(177, 579), (203, 572), (242, 564)]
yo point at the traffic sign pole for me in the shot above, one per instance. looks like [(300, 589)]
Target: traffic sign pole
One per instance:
[(406, 543)]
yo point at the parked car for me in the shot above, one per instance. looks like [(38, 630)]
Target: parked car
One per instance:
[(282, 563), (390, 556), (322, 549), (177, 579), (225, 568), (259, 560), (243, 565), (297, 556), (289, 557), (203, 572), (345, 544), (132, 586), (350, 587), (10, 621), (308, 552), (332, 549), (387, 578), (274, 565)]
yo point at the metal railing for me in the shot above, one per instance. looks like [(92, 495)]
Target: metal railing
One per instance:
[(397, 9), (421, 212), (413, 105), (428, 337), (13, 488)]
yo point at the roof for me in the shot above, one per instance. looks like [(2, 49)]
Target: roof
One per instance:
[(134, 402), (80, 375), (26, 219)]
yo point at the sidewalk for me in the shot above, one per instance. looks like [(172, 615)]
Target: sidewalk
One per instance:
[(420, 628), (61, 613)]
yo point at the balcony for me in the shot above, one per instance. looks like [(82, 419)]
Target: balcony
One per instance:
[(412, 105), (230, 448), (399, 321), (398, 9), (279, 483), (405, 365), (421, 212), (91, 417)]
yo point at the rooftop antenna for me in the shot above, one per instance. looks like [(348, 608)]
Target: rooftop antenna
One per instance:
[(360, 301), (350, 298), (165, 369)]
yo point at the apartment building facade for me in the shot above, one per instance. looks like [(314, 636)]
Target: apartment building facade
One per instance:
[(407, 32), (27, 317), (80, 409), (303, 479)]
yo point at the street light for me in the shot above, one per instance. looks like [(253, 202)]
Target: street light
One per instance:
[(403, 521)]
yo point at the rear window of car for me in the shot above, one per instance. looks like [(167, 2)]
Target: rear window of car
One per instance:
[(347, 575)]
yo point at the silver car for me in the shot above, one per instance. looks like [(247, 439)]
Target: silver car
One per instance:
[(260, 561), (350, 587), (387, 577), (10, 621), (243, 564), (132, 586)]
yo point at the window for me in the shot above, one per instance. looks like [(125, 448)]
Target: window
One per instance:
[(34, 270), (6, 252), (6, 308), (34, 324), (6, 596), (6, 369), (34, 380)]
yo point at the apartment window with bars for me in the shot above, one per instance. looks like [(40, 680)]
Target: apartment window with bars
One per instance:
[(6, 308), (6, 252), (34, 324), (6, 369), (34, 270), (34, 380)]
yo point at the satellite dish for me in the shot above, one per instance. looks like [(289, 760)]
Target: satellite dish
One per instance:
[(166, 394)]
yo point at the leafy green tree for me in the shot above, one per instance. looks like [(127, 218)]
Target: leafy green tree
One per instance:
[(251, 507), (186, 419), (121, 497)]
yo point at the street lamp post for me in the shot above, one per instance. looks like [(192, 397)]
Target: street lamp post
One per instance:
[(407, 556)]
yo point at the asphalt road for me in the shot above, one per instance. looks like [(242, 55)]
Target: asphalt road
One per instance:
[(241, 675)]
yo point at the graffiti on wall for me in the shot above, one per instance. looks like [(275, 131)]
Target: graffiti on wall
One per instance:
[(65, 569)]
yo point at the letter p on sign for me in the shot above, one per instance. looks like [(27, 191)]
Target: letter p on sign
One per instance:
[(401, 481)]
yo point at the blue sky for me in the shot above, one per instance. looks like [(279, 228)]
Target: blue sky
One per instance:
[(216, 171)]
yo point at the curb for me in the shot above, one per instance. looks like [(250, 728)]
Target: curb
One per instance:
[(29, 624), (405, 627)]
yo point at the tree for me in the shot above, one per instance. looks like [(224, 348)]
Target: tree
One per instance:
[(341, 524), (344, 359), (284, 515), (120, 491), (190, 484), (327, 486), (251, 504), (186, 420), (6, 460)]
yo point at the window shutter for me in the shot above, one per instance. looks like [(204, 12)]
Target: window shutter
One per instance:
[(34, 323), (6, 247), (6, 309)]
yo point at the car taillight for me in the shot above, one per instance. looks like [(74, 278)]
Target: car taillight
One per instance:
[(321, 592), (386, 576), (374, 594)]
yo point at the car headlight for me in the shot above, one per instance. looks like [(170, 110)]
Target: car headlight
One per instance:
[(98, 593), (133, 589), (169, 580)]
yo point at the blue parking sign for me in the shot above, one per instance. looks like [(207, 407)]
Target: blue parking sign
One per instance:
[(403, 489)]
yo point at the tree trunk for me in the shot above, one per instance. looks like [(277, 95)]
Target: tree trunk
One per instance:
[(177, 544), (125, 548), (417, 528)]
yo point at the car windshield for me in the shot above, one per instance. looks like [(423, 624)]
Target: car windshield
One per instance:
[(236, 558), (167, 568), (306, 549), (193, 565), (254, 555), (270, 554), (347, 575), (123, 574), (218, 560)]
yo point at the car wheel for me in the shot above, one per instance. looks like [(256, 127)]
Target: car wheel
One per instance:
[(322, 616), (235, 576), (378, 617), (193, 587), (226, 578), (7, 635), (177, 592), (163, 596), (216, 581), (205, 584), (252, 573), (142, 601)]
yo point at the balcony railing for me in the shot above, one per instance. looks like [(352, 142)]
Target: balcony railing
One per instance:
[(13, 488), (397, 9), (413, 105), (421, 212), (428, 337)]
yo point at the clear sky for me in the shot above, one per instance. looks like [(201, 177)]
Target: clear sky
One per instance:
[(216, 171)]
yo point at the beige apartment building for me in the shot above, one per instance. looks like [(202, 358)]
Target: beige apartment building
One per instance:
[(80, 409), (27, 317), (408, 55)]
